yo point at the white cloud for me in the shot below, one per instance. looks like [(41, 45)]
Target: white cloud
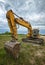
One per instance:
[(35, 16), (38, 27), (1, 11), (2, 0)]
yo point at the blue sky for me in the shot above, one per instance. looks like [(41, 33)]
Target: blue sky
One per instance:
[(31, 10)]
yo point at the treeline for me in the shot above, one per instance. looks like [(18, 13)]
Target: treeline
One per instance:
[(6, 33)]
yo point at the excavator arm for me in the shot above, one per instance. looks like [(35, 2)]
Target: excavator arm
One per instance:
[(12, 24)]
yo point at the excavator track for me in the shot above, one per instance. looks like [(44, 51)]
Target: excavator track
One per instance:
[(33, 40)]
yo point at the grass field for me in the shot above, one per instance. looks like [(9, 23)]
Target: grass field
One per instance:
[(30, 54)]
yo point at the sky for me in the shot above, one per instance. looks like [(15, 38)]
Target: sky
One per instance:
[(32, 11)]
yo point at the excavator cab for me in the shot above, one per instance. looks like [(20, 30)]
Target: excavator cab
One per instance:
[(35, 33)]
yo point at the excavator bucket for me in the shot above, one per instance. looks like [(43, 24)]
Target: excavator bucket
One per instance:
[(12, 48)]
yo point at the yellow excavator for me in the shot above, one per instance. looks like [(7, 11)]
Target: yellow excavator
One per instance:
[(13, 46), (33, 34)]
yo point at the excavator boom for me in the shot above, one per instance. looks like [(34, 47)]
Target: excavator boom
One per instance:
[(25, 24)]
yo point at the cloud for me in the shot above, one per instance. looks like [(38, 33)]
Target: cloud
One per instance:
[(31, 10), (2, 0), (38, 27), (40, 5)]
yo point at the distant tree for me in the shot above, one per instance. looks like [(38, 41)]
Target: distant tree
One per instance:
[(7, 32)]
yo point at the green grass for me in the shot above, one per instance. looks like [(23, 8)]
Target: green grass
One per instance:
[(29, 54)]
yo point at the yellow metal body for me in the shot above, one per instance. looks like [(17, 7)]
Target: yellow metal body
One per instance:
[(12, 21)]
